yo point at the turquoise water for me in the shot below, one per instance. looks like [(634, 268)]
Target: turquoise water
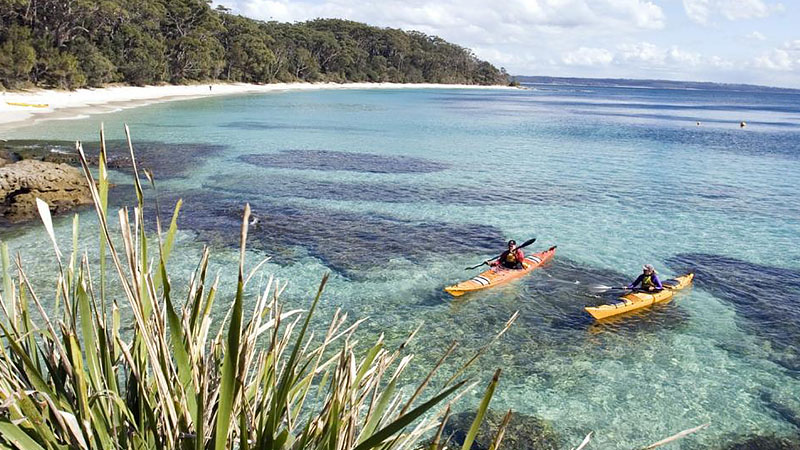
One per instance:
[(395, 192)]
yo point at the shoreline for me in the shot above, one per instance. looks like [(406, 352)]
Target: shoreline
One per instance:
[(65, 105)]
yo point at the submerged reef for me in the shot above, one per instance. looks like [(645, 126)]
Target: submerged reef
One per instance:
[(766, 299)]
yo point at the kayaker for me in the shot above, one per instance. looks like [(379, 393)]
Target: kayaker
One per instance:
[(511, 258), (648, 280)]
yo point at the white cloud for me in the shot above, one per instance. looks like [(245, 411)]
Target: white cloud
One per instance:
[(586, 56), (703, 11), (784, 59), (777, 59), (721, 63), (683, 58), (642, 52), (756, 36), (512, 16)]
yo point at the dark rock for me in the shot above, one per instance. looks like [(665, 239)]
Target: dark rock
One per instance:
[(766, 299), (780, 408), (522, 433), (765, 443), (165, 160), (60, 152), (346, 242), (63, 188)]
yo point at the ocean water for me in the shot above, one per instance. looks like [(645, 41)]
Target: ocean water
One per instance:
[(395, 192)]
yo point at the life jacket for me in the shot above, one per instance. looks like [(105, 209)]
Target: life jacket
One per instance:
[(511, 257), (647, 282)]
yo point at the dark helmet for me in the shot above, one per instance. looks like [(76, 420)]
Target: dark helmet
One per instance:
[(512, 242)]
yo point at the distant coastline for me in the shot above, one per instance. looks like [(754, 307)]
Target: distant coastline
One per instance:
[(648, 84), (21, 108)]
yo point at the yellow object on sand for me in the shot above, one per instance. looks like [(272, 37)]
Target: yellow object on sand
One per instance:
[(499, 275), (29, 105), (638, 300)]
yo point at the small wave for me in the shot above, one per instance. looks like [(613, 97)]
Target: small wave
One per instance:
[(78, 117)]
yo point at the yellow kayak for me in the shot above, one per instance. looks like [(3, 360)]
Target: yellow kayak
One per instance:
[(30, 105), (499, 275), (639, 299)]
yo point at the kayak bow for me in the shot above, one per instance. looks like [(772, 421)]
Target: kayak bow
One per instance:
[(499, 275)]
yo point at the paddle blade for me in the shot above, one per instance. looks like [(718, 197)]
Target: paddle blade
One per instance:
[(601, 288), (527, 243)]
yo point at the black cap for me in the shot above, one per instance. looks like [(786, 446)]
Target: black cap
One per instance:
[(512, 242)]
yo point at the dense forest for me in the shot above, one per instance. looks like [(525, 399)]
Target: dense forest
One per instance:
[(76, 43)]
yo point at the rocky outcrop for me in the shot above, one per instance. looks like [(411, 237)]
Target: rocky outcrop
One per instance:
[(523, 432), (63, 188)]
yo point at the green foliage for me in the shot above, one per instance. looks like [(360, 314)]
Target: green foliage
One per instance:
[(166, 381), (17, 56), (72, 43), (60, 69), (96, 67), (141, 57)]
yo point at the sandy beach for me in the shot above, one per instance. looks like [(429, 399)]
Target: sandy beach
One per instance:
[(19, 108)]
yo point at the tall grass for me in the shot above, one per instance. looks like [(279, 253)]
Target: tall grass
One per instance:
[(70, 379)]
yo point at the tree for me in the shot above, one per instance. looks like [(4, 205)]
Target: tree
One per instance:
[(17, 56), (71, 43)]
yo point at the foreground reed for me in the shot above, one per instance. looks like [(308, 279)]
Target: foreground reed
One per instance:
[(72, 379)]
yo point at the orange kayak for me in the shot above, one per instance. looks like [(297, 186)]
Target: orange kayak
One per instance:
[(499, 275), (638, 300)]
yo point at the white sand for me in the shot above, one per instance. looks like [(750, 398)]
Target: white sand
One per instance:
[(82, 102)]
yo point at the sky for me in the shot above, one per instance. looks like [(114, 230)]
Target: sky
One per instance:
[(728, 41)]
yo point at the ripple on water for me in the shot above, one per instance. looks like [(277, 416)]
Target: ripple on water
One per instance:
[(348, 161), (278, 185), (251, 125)]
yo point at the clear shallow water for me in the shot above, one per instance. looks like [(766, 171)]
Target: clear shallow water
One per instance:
[(615, 177)]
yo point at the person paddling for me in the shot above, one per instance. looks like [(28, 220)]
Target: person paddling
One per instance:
[(511, 258), (648, 280)]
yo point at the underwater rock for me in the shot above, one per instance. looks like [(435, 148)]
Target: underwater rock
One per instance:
[(765, 443), (349, 243), (329, 160), (522, 433), (766, 298), (63, 188), (60, 152), (780, 409), (165, 160)]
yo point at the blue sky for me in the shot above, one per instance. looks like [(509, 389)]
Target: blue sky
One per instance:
[(734, 41)]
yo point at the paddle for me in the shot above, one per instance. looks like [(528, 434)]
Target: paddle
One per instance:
[(524, 244), (602, 288)]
